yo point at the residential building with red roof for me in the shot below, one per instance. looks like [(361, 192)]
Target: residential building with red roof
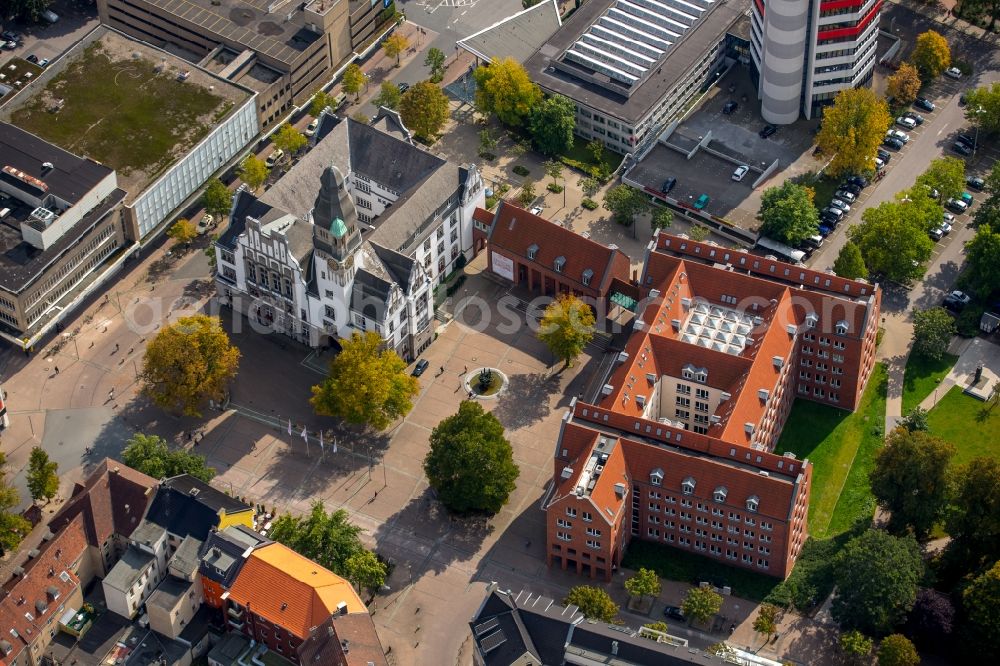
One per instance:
[(678, 447), (549, 259)]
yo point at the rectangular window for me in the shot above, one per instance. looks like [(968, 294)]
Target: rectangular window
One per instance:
[(571, 512)]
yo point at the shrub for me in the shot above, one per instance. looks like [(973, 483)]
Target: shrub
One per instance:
[(967, 322), (491, 202), (452, 288), (521, 171), (589, 204), (489, 157), (504, 188), (555, 189)]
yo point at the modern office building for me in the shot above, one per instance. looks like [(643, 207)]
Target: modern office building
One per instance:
[(285, 50), (806, 52), (678, 447), (352, 238)]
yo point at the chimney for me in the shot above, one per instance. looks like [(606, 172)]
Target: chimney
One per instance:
[(342, 608)]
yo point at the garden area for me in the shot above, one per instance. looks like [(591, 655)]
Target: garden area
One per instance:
[(970, 424), (921, 376)]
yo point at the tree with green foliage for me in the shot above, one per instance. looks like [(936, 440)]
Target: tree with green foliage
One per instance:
[(152, 456), (551, 125), (367, 384), (982, 107), (182, 231), (487, 142), (504, 89), (876, 576), (321, 101), (856, 647), (973, 520), (329, 539), (946, 175), (210, 251), (589, 186), (553, 169), (470, 463), (699, 232), (911, 480), (394, 46), (657, 626), (933, 330), (931, 54), (566, 327), (596, 150), (593, 602), (424, 109), (388, 96), (527, 194), (982, 261), (253, 171), (435, 61), (625, 203), (852, 130), (662, 218), (366, 570), (897, 650), (217, 199), (701, 604), (849, 263), (13, 526), (42, 477), (766, 622), (915, 420), (353, 80), (787, 213), (26, 10), (289, 140), (932, 619), (904, 84), (645, 583), (981, 600), (892, 242), (189, 363)]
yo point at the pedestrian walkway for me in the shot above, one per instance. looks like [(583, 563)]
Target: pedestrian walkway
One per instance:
[(971, 352), (941, 12)]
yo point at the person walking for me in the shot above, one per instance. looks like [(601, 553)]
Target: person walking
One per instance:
[(57, 369)]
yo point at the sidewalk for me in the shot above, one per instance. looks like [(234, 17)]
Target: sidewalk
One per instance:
[(970, 353), (941, 13)]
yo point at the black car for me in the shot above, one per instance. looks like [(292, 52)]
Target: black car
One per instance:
[(10, 36), (829, 219), (674, 613), (832, 213), (975, 182), (403, 86), (419, 368), (961, 148), (956, 301), (768, 131), (967, 140), (892, 142), (730, 107), (860, 181), (924, 104), (668, 185), (32, 58), (851, 187), (884, 155)]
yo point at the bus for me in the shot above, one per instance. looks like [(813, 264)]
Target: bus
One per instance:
[(780, 250)]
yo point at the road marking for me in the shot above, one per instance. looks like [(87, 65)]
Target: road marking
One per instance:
[(943, 128)]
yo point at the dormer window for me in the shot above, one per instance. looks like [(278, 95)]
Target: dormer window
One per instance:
[(687, 487), (588, 275), (656, 477), (720, 494), (697, 374), (752, 503), (532, 251), (842, 327), (558, 264), (812, 319)]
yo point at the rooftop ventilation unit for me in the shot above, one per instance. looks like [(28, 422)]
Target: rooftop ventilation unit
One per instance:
[(622, 356), (607, 389), (566, 472), (778, 361)]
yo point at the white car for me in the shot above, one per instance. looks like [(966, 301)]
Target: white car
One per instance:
[(274, 158), (740, 172), (898, 134), (953, 73), (537, 210), (844, 195), (311, 127), (206, 223), (908, 123), (842, 205)]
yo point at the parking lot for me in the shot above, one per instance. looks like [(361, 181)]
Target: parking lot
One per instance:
[(76, 19), (735, 141)]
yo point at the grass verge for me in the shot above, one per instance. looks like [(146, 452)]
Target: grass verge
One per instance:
[(836, 442), (967, 423), (922, 374)]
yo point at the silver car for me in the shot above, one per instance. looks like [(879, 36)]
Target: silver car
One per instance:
[(842, 205)]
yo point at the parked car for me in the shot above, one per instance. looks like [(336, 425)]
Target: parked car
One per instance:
[(936, 233), (204, 224), (917, 118), (674, 613), (957, 300), (403, 86), (953, 73), (946, 227), (44, 62), (967, 199), (274, 158), (827, 219), (975, 182), (10, 46), (536, 210), (50, 16), (850, 187), (730, 107), (835, 213), (948, 218), (884, 155), (904, 121), (311, 127), (668, 185), (10, 36), (957, 205), (879, 164), (845, 195), (768, 131), (32, 58), (825, 230), (420, 367), (842, 205), (967, 140), (701, 202), (899, 134), (740, 172), (892, 142), (924, 104), (961, 148), (814, 242), (860, 181)]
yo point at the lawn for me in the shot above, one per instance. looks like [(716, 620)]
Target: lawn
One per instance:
[(841, 446), (121, 112), (921, 376), (579, 157), (967, 423)]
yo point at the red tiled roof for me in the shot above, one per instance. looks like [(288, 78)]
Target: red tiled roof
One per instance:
[(482, 216), (516, 230), (48, 580)]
